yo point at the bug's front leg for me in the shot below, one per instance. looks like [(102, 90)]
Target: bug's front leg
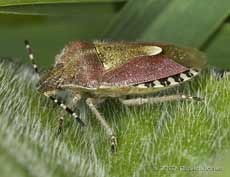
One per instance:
[(66, 108), (104, 124), (152, 100), (74, 101), (61, 119)]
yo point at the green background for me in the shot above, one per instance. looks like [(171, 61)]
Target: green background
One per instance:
[(49, 25)]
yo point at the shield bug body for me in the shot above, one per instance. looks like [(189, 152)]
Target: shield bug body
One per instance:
[(94, 71)]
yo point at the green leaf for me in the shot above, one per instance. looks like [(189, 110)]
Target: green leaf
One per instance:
[(8, 162), (218, 47), (150, 137), (24, 2), (71, 10), (183, 22), (134, 19), (59, 8), (188, 22)]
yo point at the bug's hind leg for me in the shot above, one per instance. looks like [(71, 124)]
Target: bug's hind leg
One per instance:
[(152, 100), (104, 124), (31, 55)]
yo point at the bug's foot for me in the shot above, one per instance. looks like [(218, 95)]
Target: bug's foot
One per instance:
[(198, 98), (61, 120), (78, 120), (113, 144), (59, 131)]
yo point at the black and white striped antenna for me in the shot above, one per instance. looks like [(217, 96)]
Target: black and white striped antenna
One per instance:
[(31, 55)]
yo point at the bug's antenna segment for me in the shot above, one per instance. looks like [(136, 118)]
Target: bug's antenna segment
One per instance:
[(31, 55), (67, 109)]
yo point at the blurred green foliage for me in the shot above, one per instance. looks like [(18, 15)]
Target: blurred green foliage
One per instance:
[(50, 27), (201, 24)]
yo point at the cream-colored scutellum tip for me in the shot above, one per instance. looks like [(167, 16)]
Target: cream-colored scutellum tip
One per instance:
[(153, 50)]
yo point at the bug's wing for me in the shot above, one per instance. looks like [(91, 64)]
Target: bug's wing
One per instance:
[(142, 69)]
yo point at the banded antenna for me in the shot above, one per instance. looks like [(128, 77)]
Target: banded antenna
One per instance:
[(31, 55)]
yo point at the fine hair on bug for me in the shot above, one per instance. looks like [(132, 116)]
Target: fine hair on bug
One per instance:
[(94, 71)]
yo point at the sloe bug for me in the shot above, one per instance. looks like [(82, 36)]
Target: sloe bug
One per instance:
[(96, 70)]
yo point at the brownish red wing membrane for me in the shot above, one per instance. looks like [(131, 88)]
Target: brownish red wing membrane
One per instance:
[(142, 69)]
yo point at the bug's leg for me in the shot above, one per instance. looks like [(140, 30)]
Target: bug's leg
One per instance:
[(152, 100), (104, 124), (61, 123), (31, 56), (67, 109), (74, 101)]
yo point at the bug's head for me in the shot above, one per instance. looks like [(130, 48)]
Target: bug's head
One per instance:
[(189, 57)]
